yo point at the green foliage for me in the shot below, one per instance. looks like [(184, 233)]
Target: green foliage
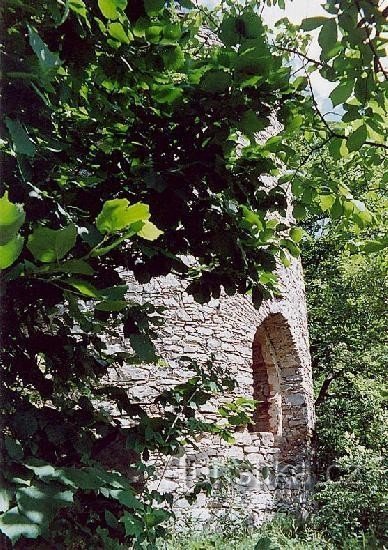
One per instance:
[(283, 532), (352, 51), (346, 289), (354, 502)]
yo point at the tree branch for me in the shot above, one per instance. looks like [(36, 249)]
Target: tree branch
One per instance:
[(316, 62), (369, 41), (323, 392)]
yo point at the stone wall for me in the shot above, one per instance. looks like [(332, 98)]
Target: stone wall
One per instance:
[(267, 352)]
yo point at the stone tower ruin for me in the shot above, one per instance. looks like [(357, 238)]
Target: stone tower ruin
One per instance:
[(266, 350)]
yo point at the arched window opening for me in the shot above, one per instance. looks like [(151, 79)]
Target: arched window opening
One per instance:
[(266, 387)]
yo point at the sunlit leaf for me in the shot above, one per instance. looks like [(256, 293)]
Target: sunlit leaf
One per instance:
[(84, 287), (111, 8), (39, 503), (12, 217), (326, 201), (149, 231), (15, 525), (296, 234), (166, 93), (116, 30), (10, 251), (342, 92), (117, 214)]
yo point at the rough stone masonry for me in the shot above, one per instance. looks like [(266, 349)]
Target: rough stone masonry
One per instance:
[(267, 352)]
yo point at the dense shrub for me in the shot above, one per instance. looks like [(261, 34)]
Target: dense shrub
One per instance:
[(354, 501)]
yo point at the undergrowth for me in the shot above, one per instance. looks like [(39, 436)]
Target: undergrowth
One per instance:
[(282, 533)]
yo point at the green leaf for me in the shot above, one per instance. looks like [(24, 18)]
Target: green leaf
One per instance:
[(266, 543), (291, 247), (143, 347), (336, 210), (86, 479), (127, 498), (13, 448), (228, 31), (299, 212), (5, 498), (186, 4), (133, 526), (10, 251), (111, 8), (47, 60), (357, 138), (253, 218), (363, 87), (375, 246), (172, 31), (149, 231), (296, 234), (253, 25), (173, 58), (79, 7), (101, 250), (116, 30), (342, 92), (50, 245), (84, 287), (15, 525), (24, 424), (326, 201), (335, 148), (22, 143), (328, 35), (12, 217), (215, 81), (156, 516), (40, 502), (166, 93), (153, 7), (312, 23), (41, 469), (251, 123), (234, 30), (71, 266), (111, 305), (110, 519), (117, 214), (116, 292)]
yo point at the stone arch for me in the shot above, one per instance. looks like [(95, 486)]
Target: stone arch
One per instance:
[(279, 388)]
